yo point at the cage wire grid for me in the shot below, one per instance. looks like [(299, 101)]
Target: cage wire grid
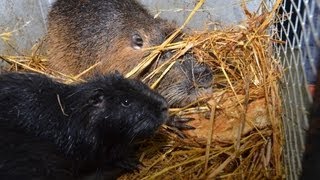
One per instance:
[(297, 24)]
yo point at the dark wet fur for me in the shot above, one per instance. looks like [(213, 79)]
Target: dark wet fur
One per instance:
[(311, 158), (51, 130)]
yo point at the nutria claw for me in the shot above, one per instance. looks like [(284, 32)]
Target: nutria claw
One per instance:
[(180, 123), (177, 124)]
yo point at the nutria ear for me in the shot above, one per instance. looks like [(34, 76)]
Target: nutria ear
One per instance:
[(136, 41), (96, 98)]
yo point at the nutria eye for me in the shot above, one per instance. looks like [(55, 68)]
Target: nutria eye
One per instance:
[(125, 103), (137, 41)]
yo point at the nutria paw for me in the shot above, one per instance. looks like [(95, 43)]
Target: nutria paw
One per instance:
[(180, 122), (177, 124)]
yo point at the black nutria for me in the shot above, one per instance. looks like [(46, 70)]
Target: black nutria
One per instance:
[(311, 158), (116, 34), (54, 130)]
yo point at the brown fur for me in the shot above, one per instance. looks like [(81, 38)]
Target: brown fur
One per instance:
[(120, 55), (116, 34)]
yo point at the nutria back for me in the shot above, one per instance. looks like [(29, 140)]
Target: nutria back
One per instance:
[(80, 128)]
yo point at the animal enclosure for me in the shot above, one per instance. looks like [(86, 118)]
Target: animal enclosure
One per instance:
[(294, 29)]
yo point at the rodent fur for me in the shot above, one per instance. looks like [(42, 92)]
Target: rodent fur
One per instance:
[(116, 33), (80, 128)]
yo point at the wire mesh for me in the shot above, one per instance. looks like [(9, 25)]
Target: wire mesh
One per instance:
[(298, 26)]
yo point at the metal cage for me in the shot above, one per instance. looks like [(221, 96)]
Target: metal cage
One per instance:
[(297, 23)]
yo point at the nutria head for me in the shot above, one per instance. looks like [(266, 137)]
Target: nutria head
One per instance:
[(116, 33)]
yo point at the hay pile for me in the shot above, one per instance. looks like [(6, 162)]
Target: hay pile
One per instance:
[(238, 131)]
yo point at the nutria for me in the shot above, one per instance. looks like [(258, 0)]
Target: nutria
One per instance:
[(116, 33), (74, 130), (311, 156)]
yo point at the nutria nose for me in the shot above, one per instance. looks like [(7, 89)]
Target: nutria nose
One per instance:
[(199, 73), (202, 75), (164, 109)]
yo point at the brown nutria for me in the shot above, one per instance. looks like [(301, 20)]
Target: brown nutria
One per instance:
[(50, 130), (116, 33)]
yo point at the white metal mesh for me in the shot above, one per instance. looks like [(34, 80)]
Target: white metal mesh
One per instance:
[(298, 25)]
